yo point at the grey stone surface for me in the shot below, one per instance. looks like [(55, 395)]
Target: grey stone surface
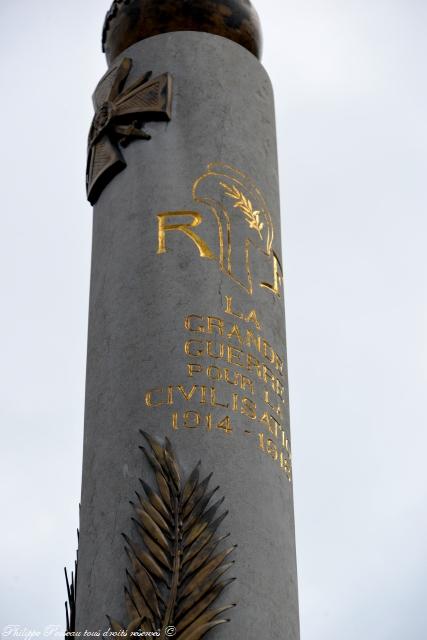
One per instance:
[(222, 113)]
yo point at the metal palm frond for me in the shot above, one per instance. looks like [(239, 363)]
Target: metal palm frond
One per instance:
[(177, 575), (70, 606)]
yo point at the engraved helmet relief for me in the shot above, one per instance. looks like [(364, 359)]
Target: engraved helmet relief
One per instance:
[(244, 222)]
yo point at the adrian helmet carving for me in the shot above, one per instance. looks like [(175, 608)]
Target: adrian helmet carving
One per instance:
[(242, 215)]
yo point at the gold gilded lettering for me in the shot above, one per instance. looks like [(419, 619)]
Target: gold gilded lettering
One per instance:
[(286, 466), (175, 421), (225, 425), (235, 333), (214, 373), (279, 364), (269, 354), (279, 411), (189, 324), (229, 308), (190, 394), (215, 323), (272, 449), (149, 398), (253, 364), (247, 382), (280, 389), (170, 395), (267, 398), (214, 401), (185, 228), (235, 402), (249, 408), (194, 368), (268, 375), (190, 350), (274, 427), (220, 353), (265, 419), (237, 377), (234, 356), (251, 339), (285, 443), (276, 408), (209, 422), (192, 419), (252, 317)]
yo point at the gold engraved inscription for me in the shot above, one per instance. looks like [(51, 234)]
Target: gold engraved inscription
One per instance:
[(225, 380), (234, 378)]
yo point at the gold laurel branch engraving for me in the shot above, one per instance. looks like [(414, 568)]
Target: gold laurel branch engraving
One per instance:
[(245, 205), (177, 574)]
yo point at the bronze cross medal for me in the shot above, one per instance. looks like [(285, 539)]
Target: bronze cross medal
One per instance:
[(119, 116)]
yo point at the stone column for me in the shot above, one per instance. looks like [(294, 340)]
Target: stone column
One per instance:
[(187, 344)]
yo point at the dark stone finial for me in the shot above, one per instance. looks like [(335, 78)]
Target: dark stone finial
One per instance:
[(129, 21)]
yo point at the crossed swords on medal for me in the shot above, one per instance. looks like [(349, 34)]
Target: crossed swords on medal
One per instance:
[(119, 118)]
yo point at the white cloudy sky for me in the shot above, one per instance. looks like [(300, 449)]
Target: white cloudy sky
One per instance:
[(350, 83)]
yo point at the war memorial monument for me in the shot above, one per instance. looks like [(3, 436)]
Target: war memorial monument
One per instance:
[(186, 519)]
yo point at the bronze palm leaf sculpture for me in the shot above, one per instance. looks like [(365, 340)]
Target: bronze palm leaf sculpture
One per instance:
[(177, 575)]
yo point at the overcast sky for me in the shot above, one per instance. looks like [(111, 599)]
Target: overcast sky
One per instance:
[(350, 83)]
